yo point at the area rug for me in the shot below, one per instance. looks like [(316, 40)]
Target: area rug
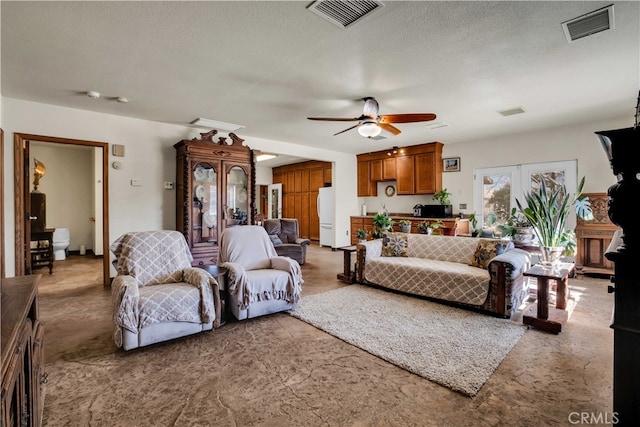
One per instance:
[(456, 348)]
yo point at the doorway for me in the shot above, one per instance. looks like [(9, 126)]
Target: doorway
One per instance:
[(22, 198)]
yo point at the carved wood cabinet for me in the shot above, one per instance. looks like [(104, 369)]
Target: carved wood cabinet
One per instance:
[(594, 238), (215, 189), (23, 376)]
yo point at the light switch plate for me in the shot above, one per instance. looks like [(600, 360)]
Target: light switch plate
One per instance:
[(462, 206), (168, 185)]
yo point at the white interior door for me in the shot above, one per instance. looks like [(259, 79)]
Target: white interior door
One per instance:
[(275, 201)]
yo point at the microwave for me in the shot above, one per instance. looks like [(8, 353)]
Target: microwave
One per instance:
[(434, 211)]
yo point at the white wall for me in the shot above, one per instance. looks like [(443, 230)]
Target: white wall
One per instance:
[(563, 143), (149, 157), (264, 176), (68, 185)]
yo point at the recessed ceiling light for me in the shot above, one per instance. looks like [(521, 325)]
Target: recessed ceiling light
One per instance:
[(214, 124), (93, 94), (512, 111), (265, 156), (436, 125)]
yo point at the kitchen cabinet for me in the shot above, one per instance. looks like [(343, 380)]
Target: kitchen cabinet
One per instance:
[(366, 223), (427, 171), (405, 175), (375, 170), (215, 189), (389, 169), (366, 187), (416, 169), (300, 184)]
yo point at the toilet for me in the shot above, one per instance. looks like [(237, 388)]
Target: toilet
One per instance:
[(60, 243)]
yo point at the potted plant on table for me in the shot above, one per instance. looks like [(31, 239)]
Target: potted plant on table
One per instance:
[(405, 225), (547, 211), (475, 232), (382, 224), (517, 227), (424, 228), (436, 226), (362, 235)]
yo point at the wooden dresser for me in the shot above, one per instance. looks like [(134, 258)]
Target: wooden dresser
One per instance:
[(23, 376), (594, 238)]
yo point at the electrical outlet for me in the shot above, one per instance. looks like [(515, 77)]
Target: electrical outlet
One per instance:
[(347, 232), (168, 185), (136, 183), (462, 206)]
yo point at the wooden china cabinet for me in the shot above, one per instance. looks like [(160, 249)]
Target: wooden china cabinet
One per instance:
[(215, 190)]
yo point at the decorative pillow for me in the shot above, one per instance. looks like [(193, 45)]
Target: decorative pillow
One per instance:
[(394, 244), (486, 250), (275, 239)]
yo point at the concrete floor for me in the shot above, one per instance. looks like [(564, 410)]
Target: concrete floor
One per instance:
[(280, 371)]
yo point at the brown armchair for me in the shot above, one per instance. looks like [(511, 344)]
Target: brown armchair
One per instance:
[(283, 233)]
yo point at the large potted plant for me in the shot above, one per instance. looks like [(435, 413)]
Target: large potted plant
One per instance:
[(547, 211)]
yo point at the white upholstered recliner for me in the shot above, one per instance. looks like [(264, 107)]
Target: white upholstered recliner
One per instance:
[(157, 295), (259, 281)]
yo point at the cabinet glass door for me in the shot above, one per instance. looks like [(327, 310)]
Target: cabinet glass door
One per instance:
[(237, 196), (204, 204)]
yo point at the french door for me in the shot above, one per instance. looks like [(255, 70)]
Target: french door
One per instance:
[(496, 189)]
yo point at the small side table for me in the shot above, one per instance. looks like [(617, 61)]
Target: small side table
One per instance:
[(220, 274), (542, 316), (347, 276)]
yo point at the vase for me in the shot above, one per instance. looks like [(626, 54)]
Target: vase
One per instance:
[(550, 254), (405, 228), (523, 236)]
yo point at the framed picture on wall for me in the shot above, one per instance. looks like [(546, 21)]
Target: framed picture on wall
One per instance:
[(451, 164)]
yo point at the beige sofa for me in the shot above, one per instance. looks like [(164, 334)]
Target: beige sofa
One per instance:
[(439, 268)]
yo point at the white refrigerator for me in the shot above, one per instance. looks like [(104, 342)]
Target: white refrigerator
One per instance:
[(325, 213)]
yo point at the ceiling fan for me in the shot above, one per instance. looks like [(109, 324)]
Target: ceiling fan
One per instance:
[(370, 124)]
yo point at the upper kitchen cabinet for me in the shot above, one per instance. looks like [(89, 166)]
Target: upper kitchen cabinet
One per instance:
[(416, 169)]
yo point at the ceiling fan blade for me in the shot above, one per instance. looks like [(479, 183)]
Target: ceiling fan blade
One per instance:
[(342, 131), (406, 118), (334, 119), (389, 128)]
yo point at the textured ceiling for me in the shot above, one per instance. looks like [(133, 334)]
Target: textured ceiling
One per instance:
[(269, 65)]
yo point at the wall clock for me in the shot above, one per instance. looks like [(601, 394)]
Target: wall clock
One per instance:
[(390, 190)]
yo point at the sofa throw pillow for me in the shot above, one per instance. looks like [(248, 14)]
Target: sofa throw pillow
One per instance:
[(275, 239), (486, 250), (394, 244)]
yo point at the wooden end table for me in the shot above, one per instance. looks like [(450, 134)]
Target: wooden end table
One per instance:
[(542, 316), (220, 274), (348, 276)]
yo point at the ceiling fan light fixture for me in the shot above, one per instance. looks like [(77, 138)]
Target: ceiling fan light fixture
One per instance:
[(369, 129)]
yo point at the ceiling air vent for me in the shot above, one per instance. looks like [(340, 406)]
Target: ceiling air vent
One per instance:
[(588, 24), (344, 13), (512, 111)]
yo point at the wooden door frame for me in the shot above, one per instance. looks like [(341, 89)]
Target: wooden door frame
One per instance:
[(2, 251), (21, 177)]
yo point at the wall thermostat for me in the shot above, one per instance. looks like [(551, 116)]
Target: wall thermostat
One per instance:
[(117, 165)]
